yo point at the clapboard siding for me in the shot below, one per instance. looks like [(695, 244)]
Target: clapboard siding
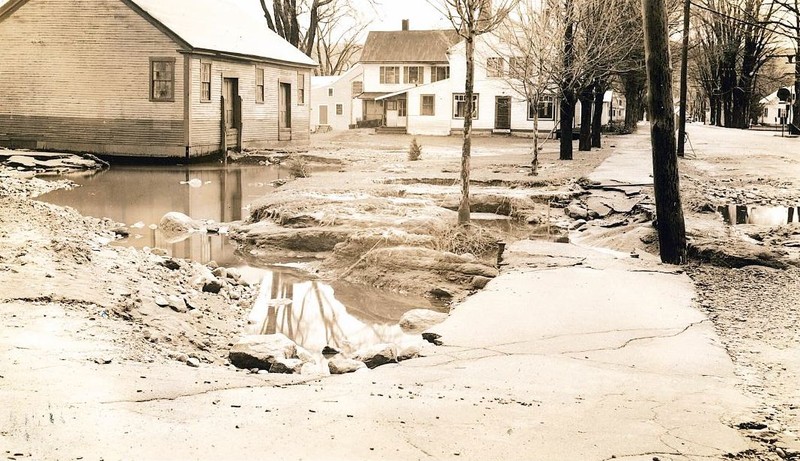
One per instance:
[(78, 71), (259, 120)]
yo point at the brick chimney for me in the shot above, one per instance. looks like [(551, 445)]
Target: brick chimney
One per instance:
[(405, 24)]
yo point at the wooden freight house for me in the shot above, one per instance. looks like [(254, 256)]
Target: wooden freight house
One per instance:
[(156, 78)]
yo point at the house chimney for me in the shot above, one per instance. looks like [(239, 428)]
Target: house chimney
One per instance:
[(405, 24)]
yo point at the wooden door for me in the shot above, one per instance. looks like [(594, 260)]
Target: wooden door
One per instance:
[(502, 113), (232, 111), (323, 115), (285, 112)]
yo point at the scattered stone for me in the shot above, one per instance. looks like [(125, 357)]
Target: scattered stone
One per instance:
[(219, 272), (576, 211), (193, 362), (440, 293), (340, 365), (261, 351), (161, 301), (328, 350), (417, 320), (170, 264), (175, 223), (432, 338), (177, 304), (479, 282), (304, 355), (212, 286), (286, 366), (377, 355), (121, 231), (409, 352)]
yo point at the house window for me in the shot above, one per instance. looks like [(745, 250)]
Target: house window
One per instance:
[(357, 88), (391, 105), (339, 109), (494, 67), (401, 107), (205, 82), (259, 85), (330, 92), (301, 88), (766, 112), (440, 73), (414, 75), (162, 79), (546, 108), (460, 105), (427, 105), (390, 74)]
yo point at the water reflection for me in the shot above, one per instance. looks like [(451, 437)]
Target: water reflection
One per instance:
[(760, 215), (309, 313), (139, 196)]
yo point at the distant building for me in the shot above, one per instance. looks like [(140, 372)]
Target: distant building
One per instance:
[(160, 78), (335, 103), (774, 109)]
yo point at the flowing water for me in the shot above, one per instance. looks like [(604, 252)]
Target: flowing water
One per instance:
[(290, 301)]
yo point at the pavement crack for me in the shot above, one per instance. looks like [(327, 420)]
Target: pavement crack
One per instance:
[(639, 338), (209, 391)]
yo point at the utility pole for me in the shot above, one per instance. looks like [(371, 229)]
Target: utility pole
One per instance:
[(684, 78), (666, 181)]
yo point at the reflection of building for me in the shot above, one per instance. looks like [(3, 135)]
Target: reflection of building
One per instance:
[(760, 215), (308, 313), (174, 78), (144, 195)]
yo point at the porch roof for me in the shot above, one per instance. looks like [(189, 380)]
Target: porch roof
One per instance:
[(391, 95), (369, 95)]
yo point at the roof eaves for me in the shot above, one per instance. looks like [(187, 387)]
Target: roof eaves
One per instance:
[(158, 24), (10, 7), (249, 57)]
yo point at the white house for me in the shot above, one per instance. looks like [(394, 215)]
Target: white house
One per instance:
[(775, 109), (396, 61), (334, 100), (436, 106)]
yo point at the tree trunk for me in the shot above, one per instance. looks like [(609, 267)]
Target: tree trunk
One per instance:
[(684, 78), (586, 98), (535, 159), (466, 150), (634, 88), (567, 106), (794, 128), (567, 114), (597, 116), (670, 223)]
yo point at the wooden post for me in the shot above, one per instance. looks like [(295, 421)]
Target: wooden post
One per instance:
[(223, 130), (670, 223), (684, 79)]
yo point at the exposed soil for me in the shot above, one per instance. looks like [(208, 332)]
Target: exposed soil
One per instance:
[(374, 217)]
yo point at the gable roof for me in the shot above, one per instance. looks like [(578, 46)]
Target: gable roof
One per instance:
[(211, 25), (409, 46)]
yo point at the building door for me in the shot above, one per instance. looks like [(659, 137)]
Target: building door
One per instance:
[(391, 112), (231, 112), (502, 113), (323, 115), (285, 112)]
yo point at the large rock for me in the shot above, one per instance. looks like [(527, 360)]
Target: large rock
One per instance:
[(418, 320), (340, 365), (576, 211), (261, 351), (377, 355), (175, 223)]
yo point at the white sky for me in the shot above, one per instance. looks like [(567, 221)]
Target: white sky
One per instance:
[(387, 14)]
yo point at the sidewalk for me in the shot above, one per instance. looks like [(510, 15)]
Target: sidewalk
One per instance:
[(571, 354)]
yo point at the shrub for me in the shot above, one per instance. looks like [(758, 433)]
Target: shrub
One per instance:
[(298, 167), (414, 151)]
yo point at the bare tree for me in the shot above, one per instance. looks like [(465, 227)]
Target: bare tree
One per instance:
[(339, 33), (666, 182), (471, 18), (533, 61)]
